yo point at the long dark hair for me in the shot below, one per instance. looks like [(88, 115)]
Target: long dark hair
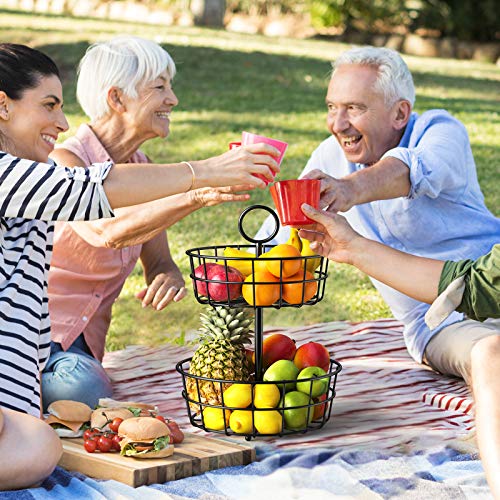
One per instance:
[(21, 68)]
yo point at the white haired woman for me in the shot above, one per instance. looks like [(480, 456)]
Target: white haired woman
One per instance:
[(34, 193), (125, 88)]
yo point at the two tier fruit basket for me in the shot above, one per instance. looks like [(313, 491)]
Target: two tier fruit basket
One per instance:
[(260, 402)]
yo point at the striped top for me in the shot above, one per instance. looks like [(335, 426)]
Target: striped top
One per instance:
[(32, 195)]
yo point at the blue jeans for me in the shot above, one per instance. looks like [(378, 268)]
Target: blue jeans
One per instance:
[(74, 374)]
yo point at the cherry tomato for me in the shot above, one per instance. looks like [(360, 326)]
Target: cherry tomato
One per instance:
[(159, 417), (116, 442), (104, 444), (90, 445), (88, 434), (115, 424)]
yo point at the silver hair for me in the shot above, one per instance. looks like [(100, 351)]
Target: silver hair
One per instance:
[(125, 62), (394, 79)]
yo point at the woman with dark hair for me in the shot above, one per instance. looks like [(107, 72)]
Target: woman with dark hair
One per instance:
[(33, 194)]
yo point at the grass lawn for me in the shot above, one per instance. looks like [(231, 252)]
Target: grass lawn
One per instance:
[(230, 82)]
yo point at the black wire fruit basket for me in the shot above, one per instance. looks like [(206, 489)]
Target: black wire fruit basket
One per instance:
[(295, 281)]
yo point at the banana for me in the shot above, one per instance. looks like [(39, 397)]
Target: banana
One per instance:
[(294, 239), (242, 262), (311, 264)]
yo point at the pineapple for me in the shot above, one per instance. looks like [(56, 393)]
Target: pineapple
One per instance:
[(221, 353)]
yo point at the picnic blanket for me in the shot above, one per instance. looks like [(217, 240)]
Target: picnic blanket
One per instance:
[(397, 429)]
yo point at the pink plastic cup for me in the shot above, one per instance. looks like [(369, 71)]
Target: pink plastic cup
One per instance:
[(249, 138), (288, 197)]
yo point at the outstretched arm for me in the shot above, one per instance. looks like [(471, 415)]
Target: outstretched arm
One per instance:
[(138, 224), (389, 178), (332, 237)]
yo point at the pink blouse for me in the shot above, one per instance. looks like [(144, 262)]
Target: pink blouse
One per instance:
[(84, 281)]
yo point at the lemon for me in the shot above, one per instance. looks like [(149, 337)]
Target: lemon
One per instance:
[(266, 396), (268, 421), (241, 422), (213, 418), (238, 396)]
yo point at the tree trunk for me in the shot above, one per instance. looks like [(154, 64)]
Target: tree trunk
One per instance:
[(208, 12)]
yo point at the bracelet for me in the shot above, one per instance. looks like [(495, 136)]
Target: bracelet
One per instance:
[(193, 175)]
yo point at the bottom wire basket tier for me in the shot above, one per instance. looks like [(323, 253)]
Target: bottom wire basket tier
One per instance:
[(259, 408)]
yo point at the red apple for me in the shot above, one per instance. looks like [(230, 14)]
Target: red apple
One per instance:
[(222, 292), (319, 410), (312, 354), (276, 347), (201, 273)]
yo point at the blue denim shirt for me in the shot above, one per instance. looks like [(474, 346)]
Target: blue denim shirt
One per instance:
[(444, 216)]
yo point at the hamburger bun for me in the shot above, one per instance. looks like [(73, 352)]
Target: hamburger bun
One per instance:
[(143, 429), (71, 411), (100, 416)]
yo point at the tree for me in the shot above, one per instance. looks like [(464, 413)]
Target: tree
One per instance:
[(208, 12)]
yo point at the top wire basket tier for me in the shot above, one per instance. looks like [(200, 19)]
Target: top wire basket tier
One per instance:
[(307, 287)]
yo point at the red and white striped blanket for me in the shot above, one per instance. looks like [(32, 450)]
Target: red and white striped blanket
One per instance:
[(384, 398)]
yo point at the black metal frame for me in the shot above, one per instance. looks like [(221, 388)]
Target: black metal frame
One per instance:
[(212, 254)]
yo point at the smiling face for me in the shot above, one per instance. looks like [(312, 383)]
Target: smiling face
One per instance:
[(32, 123), (358, 116), (149, 113)]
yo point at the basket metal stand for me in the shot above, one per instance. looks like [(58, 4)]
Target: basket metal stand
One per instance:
[(207, 255)]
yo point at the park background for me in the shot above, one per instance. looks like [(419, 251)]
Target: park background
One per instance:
[(228, 82)]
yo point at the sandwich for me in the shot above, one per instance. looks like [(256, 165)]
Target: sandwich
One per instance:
[(68, 418), (145, 437), (102, 417), (138, 409)]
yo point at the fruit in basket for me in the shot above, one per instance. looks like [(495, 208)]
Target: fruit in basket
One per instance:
[(238, 396), (279, 266), (312, 354), (243, 266), (222, 292), (295, 240), (297, 418), (250, 358), (266, 396), (241, 421), (313, 388), (319, 410), (280, 371), (215, 419), (221, 353), (311, 263), (266, 287), (276, 347), (292, 292), (268, 422), (201, 274)]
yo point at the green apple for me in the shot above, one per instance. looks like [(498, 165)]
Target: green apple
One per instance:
[(296, 418), (313, 388), (281, 370)]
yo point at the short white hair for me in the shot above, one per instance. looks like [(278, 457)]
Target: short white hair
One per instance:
[(394, 79), (125, 62)]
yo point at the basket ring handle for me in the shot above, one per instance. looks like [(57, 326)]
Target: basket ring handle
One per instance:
[(255, 207)]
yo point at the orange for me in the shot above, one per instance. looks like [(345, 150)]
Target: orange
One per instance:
[(266, 294), (280, 266), (292, 292)]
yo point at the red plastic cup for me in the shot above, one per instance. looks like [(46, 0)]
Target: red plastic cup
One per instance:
[(288, 197), (249, 138)]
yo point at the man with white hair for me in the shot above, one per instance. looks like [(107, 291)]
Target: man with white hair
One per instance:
[(410, 182)]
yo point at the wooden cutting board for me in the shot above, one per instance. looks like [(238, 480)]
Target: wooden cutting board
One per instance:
[(195, 455)]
